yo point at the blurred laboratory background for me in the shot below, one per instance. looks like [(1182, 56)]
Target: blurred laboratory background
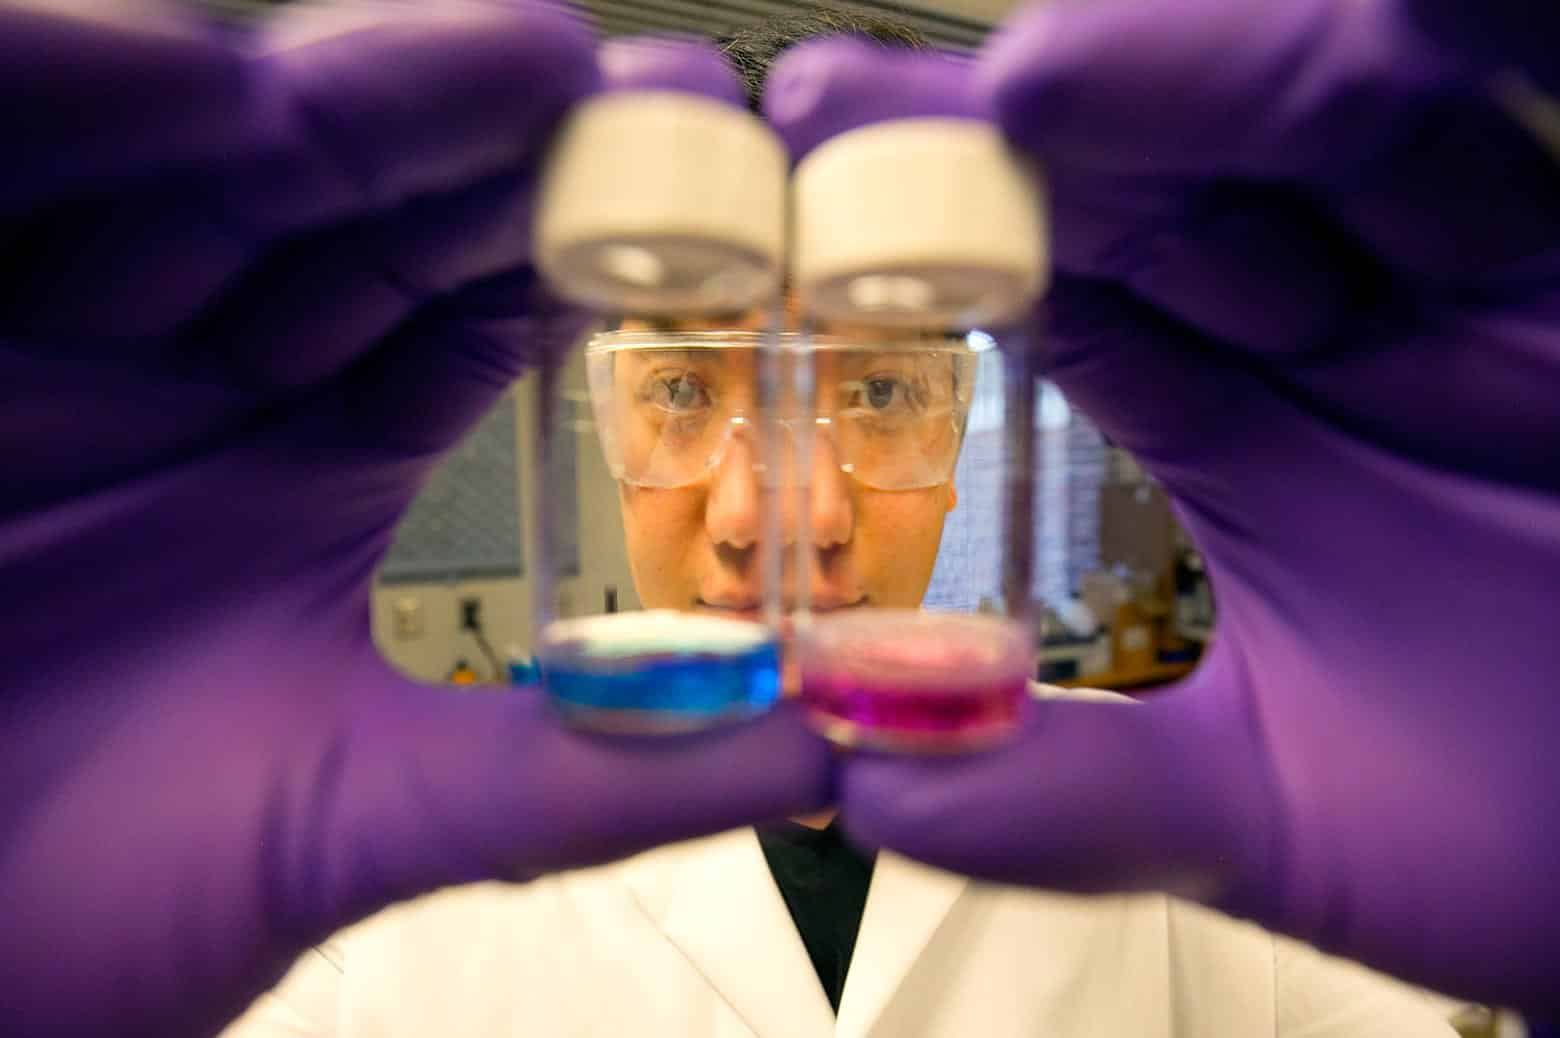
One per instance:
[(958, 25)]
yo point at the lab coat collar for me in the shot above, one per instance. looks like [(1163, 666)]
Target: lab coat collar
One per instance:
[(719, 905), (717, 902), (906, 904)]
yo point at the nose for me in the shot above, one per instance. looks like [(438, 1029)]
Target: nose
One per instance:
[(731, 515), (833, 516)]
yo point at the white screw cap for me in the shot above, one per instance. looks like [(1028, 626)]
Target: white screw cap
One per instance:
[(662, 201), (918, 222)]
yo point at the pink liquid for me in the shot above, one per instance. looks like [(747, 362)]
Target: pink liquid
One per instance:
[(922, 683), (859, 713)]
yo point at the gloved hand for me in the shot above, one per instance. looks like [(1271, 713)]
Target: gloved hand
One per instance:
[(255, 284), (1308, 272), (1499, 39)]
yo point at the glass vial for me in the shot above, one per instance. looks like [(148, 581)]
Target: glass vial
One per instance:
[(661, 210), (917, 260)]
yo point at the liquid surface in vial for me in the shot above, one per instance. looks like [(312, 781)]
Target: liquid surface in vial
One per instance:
[(914, 681), (659, 671)]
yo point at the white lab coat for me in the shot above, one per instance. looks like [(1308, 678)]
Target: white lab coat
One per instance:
[(694, 940)]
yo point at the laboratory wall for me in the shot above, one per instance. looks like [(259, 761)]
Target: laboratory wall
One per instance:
[(417, 624)]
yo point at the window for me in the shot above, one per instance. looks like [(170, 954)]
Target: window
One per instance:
[(1071, 467), (465, 524)]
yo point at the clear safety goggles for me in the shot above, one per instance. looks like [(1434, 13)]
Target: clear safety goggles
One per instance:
[(670, 405)]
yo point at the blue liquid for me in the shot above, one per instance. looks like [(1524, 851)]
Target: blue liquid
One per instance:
[(665, 690)]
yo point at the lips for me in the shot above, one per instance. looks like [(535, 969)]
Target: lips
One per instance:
[(749, 610), (737, 610), (825, 605)]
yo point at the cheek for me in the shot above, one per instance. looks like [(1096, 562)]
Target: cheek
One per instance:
[(896, 540), (662, 529)]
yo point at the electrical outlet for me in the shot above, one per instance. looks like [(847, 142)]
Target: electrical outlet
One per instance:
[(406, 615), (471, 613)]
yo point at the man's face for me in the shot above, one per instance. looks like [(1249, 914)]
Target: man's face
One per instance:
[(693, 546)]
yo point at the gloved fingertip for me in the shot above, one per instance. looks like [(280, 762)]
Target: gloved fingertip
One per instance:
[(669, 63), (1022, 64), (816, 760), (825, 87), (1493, 35), (1011, 49), (871, 790)]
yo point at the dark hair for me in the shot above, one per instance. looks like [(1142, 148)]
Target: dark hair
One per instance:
[(751, 49)]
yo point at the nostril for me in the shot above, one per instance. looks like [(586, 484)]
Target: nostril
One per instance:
[(735, 556)]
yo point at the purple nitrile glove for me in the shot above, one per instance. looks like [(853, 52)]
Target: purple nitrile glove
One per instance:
[(1310, 275), (1516, 35), (255, 285), (670, 63)]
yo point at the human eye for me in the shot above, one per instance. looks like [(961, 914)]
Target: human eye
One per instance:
[(884, 395), (676, 392)]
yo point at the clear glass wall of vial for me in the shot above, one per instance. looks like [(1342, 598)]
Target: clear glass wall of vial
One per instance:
[(661, 211), (917, 257), (669, 619), (926, 446)]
